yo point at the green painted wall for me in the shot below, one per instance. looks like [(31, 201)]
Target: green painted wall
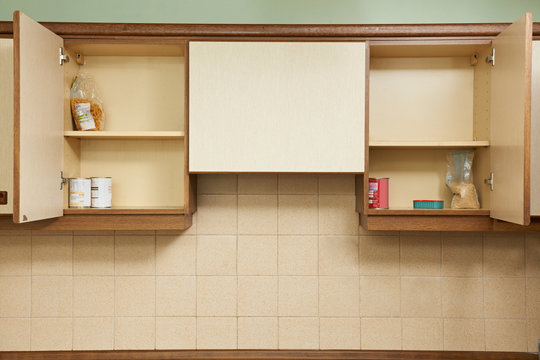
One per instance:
[(273, 11)]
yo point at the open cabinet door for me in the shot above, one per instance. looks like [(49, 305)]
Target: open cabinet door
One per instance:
[(38, 121), (511, 122)]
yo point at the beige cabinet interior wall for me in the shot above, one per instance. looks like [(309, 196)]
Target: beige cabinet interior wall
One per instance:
[(6, 122)]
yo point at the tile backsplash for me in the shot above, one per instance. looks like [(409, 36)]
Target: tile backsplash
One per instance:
[(271, 262)]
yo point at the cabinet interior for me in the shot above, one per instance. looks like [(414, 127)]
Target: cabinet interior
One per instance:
[(427, 100), (142, 87)]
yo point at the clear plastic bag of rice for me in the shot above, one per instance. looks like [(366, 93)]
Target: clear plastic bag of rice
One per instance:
[(86, 104), (459, 179)]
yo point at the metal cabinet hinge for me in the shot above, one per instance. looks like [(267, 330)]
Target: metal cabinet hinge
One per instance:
[(63, 180), (489, 181), (491, 58), (63, 58)]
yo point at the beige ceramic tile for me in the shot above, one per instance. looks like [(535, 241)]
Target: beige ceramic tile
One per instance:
[(176, 333), (14, 334), (532, 249), (299, 333), (135, 255), (506, 335), (93, 255), (93, 296), (504, 298), (462, 254), (533, 298), (93, 233), (298, 296), (420, 297), (336, 184), (422, 334), (176, 254), (298, 215), (381, 333), (176, 296), (338, 255), (379, 255), (257, 295), (364, 232), (216, 184), (462, 297), (533, 334), (257, 184), (52, 255), (464, 335), (298, 255), (504, 254), (420, 255), (96, 333), (257, 332), (216, 255), (257, 255), (52, 296), (337, 215), (257, 214), (340, 333), (216, 295), (217, 214), (217, 333), (135, 333), (135, 296), (52, 334), (15, 255), (380, 296), (15, 296), (339, 296), (298, 184)]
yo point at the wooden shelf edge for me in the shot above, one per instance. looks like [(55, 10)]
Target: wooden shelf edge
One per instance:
[(443, 223), (427, 144), (125, 134), (104, 222), (429, 212), (125, 211)]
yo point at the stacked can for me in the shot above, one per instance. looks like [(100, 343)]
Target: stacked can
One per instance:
[(79, 193), (378, 193), (101, 192)]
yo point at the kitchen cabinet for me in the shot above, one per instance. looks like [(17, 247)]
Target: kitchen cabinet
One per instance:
[(142, 147), (181, 99), (428, 98), (277, 107)]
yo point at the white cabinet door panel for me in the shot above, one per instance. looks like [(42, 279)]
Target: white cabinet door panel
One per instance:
[(276, 107)]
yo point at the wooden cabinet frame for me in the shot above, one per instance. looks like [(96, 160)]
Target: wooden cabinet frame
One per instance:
[(167, 33)]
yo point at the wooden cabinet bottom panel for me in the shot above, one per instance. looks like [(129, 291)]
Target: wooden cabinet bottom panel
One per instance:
[(442, 223), (103, 222)]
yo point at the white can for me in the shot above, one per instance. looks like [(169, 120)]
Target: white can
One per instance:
[(79, 193), (101, 192)]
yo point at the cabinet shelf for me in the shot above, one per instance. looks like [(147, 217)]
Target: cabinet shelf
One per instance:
[(164, 135), (124, 210), (433, 212), (428, 144)]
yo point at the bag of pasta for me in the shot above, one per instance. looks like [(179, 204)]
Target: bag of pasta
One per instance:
[(86, 105), (459, 178)]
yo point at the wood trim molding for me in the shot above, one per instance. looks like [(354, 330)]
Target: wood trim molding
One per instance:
[(69, 29), (266, 355)]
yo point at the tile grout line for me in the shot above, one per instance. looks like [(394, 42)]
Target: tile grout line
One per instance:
[(484, 290), (440, 287), (72, 290), (318, 257), (31, 284), (196, 281), (236, 253), (155, 290), (277, 258), (525, 295), (115, 284)]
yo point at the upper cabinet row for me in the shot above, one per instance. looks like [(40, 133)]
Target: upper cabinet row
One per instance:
[(180, 107)]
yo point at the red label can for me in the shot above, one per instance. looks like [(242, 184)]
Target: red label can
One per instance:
[(378, 193)]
